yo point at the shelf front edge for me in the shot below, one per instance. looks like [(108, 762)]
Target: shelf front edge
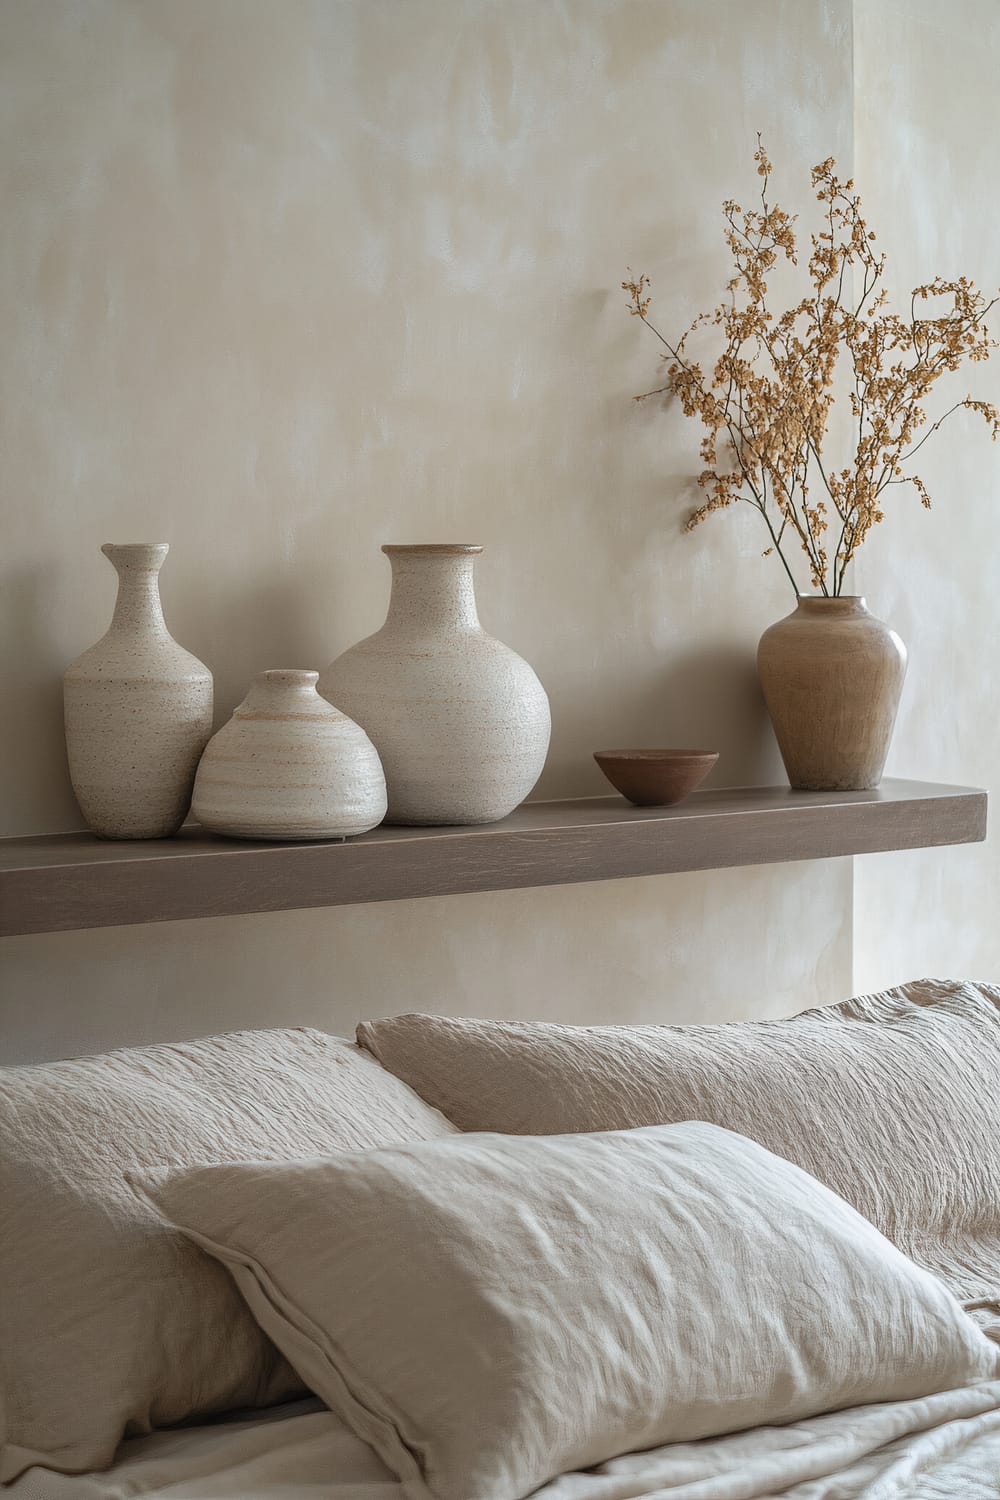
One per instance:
[(209, 882)]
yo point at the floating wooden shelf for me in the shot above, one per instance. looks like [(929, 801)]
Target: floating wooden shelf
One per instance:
[(67, 881)]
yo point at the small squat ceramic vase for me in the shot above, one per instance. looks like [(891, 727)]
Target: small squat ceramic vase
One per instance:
[(289, 766), (138, 711), (832, 675), (461, 722)]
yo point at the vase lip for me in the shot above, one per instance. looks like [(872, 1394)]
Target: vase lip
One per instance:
[(147, 553), (827, 599), (301, 677), (432, 549)]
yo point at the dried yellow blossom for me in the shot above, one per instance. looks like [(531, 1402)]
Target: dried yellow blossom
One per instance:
[(766, 402)]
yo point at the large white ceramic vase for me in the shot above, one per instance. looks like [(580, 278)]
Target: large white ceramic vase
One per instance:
[(289, 766), (138, 710), (460, 721)]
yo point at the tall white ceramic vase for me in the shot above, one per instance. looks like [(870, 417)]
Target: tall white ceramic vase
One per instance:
[(138, 711), (460, 722)]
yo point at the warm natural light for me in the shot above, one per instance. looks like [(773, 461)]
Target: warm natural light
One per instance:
[(501, 538)]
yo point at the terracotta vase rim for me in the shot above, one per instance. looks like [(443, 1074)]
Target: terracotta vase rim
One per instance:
[(829, 598)]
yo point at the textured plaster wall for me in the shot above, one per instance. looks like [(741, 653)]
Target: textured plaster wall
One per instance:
[(928, 121), (284, 280)]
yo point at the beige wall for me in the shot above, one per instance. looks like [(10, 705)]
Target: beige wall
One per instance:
[(928, 123), (284, 280)]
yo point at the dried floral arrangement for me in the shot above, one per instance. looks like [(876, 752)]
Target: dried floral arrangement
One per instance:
[(767, 401)]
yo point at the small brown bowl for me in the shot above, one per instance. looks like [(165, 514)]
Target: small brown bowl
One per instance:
[(655, 778)]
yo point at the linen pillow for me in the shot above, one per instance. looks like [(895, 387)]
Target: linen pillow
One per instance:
[(489, 1311), (891, 1100), (110, 1323)]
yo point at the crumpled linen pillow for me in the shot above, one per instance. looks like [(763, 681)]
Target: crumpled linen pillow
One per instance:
[(110, 1322), (892, 1100), (490, 1311)]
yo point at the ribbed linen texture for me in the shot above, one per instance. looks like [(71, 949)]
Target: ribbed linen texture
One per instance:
[(892, 1100), (111, 1323), (490, 1311)]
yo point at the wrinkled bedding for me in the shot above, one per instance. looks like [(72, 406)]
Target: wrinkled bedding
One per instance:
[(943, 1447)]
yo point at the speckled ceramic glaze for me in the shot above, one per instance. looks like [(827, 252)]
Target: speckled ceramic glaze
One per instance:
[(289, 766), (138, 711), (461, 722)]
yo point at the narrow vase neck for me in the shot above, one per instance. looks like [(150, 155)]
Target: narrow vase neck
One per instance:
[(283, 693), (138, 606), (840, 606), (432, 588)]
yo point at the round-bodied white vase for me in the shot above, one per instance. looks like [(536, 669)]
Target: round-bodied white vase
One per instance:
[(289, 766), (460, 721), (138, 711)]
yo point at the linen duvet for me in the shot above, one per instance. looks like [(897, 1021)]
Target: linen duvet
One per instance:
[(943, 1447)]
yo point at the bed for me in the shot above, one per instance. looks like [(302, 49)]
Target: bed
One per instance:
[(268, 1096)]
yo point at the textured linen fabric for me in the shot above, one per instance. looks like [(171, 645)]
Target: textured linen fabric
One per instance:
[(490, 1311), (109, 1321), (892, 1100), (940, 1447)]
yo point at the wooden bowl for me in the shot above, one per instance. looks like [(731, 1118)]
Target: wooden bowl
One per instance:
[(655, 778)]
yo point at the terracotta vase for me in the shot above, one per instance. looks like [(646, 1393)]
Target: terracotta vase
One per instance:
[(832, 675), (460, 721), (289, 766), (138, 711)]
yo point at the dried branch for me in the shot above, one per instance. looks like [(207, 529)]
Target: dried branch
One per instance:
[(766, 403)]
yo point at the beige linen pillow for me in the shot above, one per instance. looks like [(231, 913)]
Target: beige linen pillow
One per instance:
[(489, 1311), (891, 1100), (110, 1323)]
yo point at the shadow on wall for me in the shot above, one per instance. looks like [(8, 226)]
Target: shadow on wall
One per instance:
[(706, 698), (34, 757), (255, 628), (714, 694)]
